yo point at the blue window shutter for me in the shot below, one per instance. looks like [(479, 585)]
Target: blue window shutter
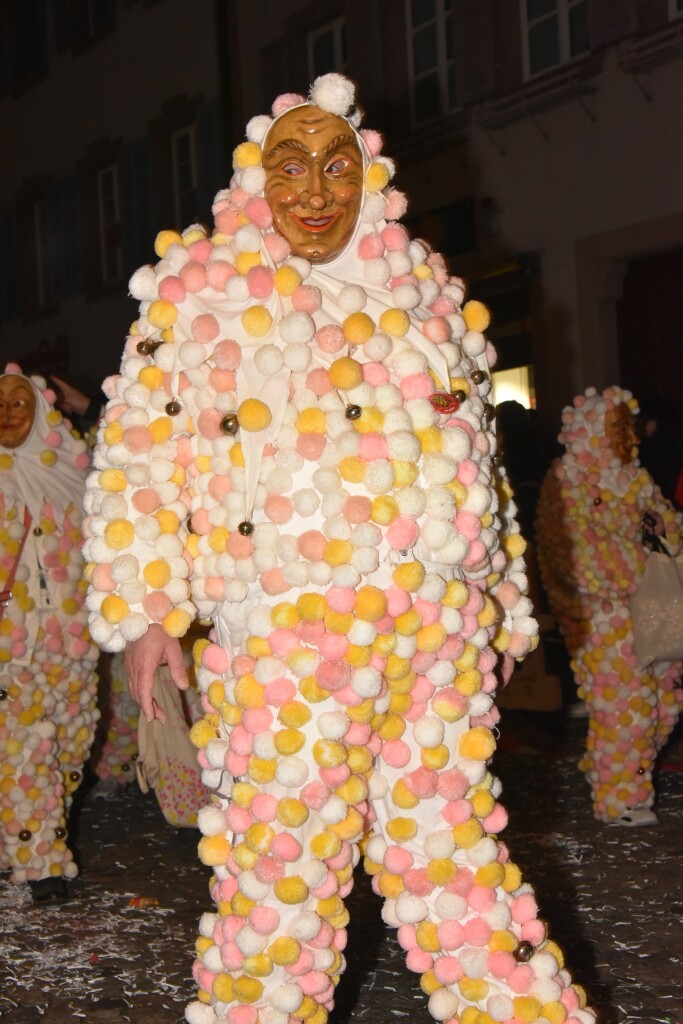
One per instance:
[(212, 173), (136, 204)]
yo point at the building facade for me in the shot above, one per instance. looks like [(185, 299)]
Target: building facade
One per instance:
[(538, 141)]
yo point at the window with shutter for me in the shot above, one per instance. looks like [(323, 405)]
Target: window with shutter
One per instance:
[(554, 32), (183, 148), (328, 49), (110, 224), (431, 64)]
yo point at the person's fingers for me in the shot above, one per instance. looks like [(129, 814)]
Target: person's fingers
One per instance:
[(147, 704), (159, 713), (176, 665)]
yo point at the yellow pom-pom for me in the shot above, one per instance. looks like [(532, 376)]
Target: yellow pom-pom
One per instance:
[(477, 744), (526, 1008), (490, 875), (474, 990), (286, 280), (284, 951), (213, 850), (151, 376), (431, 638), (247, 154), (177, 622), (253, 415), (294, 714), (312, 607), (114, 608), (165, 239), (395, 322), (247, 990), (259, 836), (371, 603), (249, 693), (54, 417), (476, 315), (288, 742), (409, 576), (6, 461), (157, 573), (258, 966), (345, 373), (162, 314), (70, 606), (352, 468), (329, 753), (244, 261), (467, 834), (357, 328), (119, 534), (311, 421), (401, 829), (515, 545), (169, 522), (284, 616), (403, 797), (384, 510), (377, 177), (256, 321), (112, 480), (338, 552), (427, 938), (161, 429), (290, 890), (48, 457)]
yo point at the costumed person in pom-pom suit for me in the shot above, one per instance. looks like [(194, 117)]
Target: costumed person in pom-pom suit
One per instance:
[(592, 557), (306, 384), (47, 659)]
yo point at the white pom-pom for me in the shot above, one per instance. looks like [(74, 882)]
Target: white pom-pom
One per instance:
[(143, 285), (333, 725), (474, 962), (249, 942), (251, 887), (257, 128), (133, 626), (500, 1007), (333, 93), (286, 998), (406, 296), (100, 630), (411, 909), (373, 208), (376, 271), (237, 289), (305, 926), (376, 849), (473, 343), (366, 682), (440, 844), (292, 771), (268, 360), (252, 180), (333, 810), (442, 1004), (199, 1013), (314, 872), (297, 355), (428, 732), (389, 914), (297, 327), (207, 924), (352, 298)]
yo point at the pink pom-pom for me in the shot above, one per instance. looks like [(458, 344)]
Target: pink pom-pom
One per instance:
[(193, 276), (477, 932), (318, 382), (375, 374), (311, 446), (373, 141), (524, 908), (447, 970), (416, 385), (436, 329), (215, 659), (398, 860), (145, 501), (450, 934), (221, 381), (521, 979), (205, 328), (279, 692), (370, 246), (286, 847), (330, 338), (419, 961), (227, 221), (312, 545), (201, 250), (307, 299), (268, 870), (402, 533), (341, 599), (209, 423), (156, 606), (396, 204), (277, 246), (453, 784), (395, 238), (227, 355), (285, 101), (501, 964), (417, 882), (218, 273), (278, 508), (260, 282), (396, 753), (259, 212), (314, 795)]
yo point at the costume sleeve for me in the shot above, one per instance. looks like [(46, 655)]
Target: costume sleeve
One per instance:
[(517, 633), (137, 502)]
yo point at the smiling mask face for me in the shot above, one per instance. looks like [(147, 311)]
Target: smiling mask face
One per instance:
[(314, 181), (17, 410)]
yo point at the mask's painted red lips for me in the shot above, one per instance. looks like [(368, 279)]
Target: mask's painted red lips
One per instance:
[(315, 224)]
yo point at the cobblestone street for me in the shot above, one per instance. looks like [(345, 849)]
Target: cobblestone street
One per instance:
[(613, 898)]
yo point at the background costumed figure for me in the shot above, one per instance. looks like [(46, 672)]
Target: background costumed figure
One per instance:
[(299, 448), (591, 554), (47, 659)]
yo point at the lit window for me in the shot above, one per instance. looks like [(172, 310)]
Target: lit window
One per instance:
[(430, 58), (185, 176), (327, 49), (46, 252), (110, 224), (554, 32)]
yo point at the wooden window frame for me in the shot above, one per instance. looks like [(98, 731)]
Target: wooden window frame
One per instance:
[(444, 27), (562, 11)]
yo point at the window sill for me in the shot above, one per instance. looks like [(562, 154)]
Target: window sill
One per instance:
[(539, 94), (650, 51)]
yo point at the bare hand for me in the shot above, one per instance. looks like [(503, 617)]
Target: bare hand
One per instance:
[(142, 659), (70, 399), (507, 667)]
